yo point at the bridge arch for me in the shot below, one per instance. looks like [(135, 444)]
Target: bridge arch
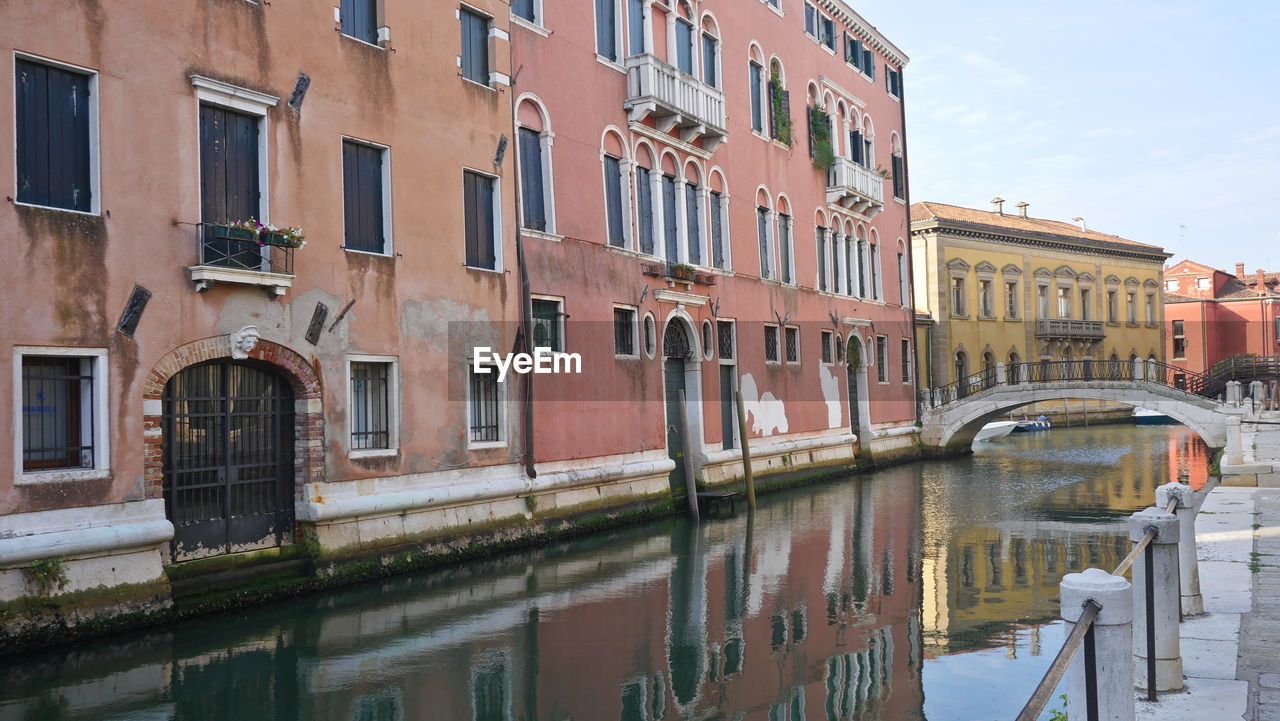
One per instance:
[(951, 427)]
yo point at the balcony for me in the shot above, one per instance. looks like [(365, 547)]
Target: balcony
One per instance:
[(230, 255), (852, 186), (1050, 328), (675, 100)]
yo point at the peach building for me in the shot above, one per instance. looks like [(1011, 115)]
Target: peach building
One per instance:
[(715, 191)]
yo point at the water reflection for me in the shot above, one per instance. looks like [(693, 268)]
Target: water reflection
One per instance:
[(825, 606)]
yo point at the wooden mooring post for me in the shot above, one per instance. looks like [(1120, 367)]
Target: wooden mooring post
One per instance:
[(746, 452), (686, 449)]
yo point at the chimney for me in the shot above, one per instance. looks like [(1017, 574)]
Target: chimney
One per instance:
[(997, 207), (1240, 271), (1083, 229), (1022, 208), (1262, 282)]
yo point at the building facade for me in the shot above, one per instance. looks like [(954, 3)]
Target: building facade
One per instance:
[(1213, 315), (257, 248), (1017, 289), (725, 212)]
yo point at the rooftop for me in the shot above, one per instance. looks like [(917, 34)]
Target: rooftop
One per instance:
[(928, 210)]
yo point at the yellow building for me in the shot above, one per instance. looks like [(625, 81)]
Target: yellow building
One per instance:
[(1015, 289)]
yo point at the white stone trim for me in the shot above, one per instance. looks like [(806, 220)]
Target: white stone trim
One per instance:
[(100, 411), (83, 531)]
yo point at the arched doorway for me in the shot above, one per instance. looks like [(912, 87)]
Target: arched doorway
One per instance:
[(1013, 371), (962, 371), (227, 458), (677, 353), (988, 369)]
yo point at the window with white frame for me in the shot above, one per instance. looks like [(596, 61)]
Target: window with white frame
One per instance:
[(726, 340), (986, 303), (828, 338), (644, 209), (958, 297), (906, 361), (820, 234), (1132, 299), (791, 335), (480, 220), (530, 10), (535, 190), (771, 344), (1011, 299), (756, 75), (373, 415), (475, 45), (877, 284), (366, 178), (786, 250), (636, 30), (766, 249), (359, 20), (693, 222), (1201, 283), (882, 359), (903, 290), (607, 29), (484, 407), (548, 323), (625, 341), (613, 202), (1151, 308), (62, 403), (719, 245), (650, 338), (710, 59), (56, 116)]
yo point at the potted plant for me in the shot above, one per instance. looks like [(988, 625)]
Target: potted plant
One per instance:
[(680, 271), (238, 230), (250, 230)]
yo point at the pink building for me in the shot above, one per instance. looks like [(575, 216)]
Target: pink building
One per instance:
[(714, 200), (1213, 315)]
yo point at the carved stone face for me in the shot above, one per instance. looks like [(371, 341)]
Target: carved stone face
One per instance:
[(243, 342)]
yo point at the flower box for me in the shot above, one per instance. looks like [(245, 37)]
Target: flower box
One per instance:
[(226, 232)]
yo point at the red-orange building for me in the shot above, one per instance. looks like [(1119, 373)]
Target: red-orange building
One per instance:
[(1212, 314)]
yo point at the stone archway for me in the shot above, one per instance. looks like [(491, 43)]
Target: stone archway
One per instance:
[(302, 378)]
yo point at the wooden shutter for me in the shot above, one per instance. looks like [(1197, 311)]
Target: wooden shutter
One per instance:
[(709, 61), (613, 199), (784, 248), (822, 258), (475, 47), (524, 8), (762, 232), (362, 197), (644, 210), (691, 223), (606, 41), (757, 120), (869, 63), (360, 20), (531, 189), (477, 192), (717, 231), (670, 227), (52, 109)]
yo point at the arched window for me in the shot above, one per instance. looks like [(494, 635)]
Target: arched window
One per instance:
[(764, 231), (961, 365), (537, 201), (684, 38), (861, 257), (868, 142), (898, 168), (779, 103), (710, 51), (646, 182), (758, 86), (877, 284), (823, 242), (718, 220), (988, 369), (786, 242), (1013, 370), (617, 195), (693, 215)]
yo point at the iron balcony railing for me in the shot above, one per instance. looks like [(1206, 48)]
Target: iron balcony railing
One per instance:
[(854, 186), (223, 247), (1061, 328), (1147, 371), (659, 88)]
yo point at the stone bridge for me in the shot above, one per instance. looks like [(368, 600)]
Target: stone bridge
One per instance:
[(953, 414)]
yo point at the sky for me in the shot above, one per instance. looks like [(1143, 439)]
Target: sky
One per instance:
[(1155, 121)]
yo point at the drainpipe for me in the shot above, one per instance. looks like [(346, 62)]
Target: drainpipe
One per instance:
[(526, 298), (911, 281)]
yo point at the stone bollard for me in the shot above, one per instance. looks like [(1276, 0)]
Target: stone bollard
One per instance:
[(1259, 395), (1233, 393), (1164, 552), (1235, 443), (1188, 568), (1112, 641)]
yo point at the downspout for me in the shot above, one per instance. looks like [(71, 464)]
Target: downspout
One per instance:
[(526, 298), (911, 266)]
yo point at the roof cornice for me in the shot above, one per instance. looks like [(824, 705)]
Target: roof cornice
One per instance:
[(865, 30), (1034, 239)]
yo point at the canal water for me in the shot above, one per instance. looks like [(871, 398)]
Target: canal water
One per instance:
[(922, 591)]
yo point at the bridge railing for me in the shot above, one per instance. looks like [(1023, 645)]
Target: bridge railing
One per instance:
[(1039, 372)]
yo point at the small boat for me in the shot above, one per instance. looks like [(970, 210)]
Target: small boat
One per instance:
[(995, 431), (1039, 424), (1148, 417)]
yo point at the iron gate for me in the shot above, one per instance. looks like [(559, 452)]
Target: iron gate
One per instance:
[(228, 458)]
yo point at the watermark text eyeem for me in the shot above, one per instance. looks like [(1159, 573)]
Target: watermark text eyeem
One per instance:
[(541, 361)]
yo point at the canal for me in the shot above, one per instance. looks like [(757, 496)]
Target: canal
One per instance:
[(922, 591)]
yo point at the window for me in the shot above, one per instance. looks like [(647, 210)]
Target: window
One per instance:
[(1011, 299), (719, 256), (771, 344), (786, 249), (532, 188), (986, 305), (54, 112), (644, 209), (1086, 312), (827, 339), (479, 210), (360, 20), (693, 223), (762, 231), (811, 20), (684, 46), (229, 184), (726, 339), (868, 63), (670, 228), (898, 171), (1112, 317), (484, 407), (1151, 308), (1201, 283), (882, 359), (1042, 301), (877, 286), (1064, 302), (607, 29), (852, 51), (1171, 286), (903, 291), (548, 324), (650, 335), (906, 361), (792, 335), (624, 332), (475, 46), (757, 97), (364, 178), (635, 25), (373, 394), (613, 200), (779, 106), (63, 409), (710, 51), (957, 297), (821, 234), (1132, 300), (893, 81), (1179, 340), (708, 340), (525, 9)]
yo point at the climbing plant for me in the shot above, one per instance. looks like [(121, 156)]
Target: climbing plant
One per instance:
[(824, 156), (781, 109)]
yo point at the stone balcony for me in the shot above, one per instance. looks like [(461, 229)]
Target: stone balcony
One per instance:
[(675, 100), (1069, 329), (852, 186)]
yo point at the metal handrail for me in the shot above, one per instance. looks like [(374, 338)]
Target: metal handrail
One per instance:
[(1083, 633), (1159, 373)]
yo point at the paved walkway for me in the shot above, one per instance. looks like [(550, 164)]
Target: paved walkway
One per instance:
[(1231, 653)]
